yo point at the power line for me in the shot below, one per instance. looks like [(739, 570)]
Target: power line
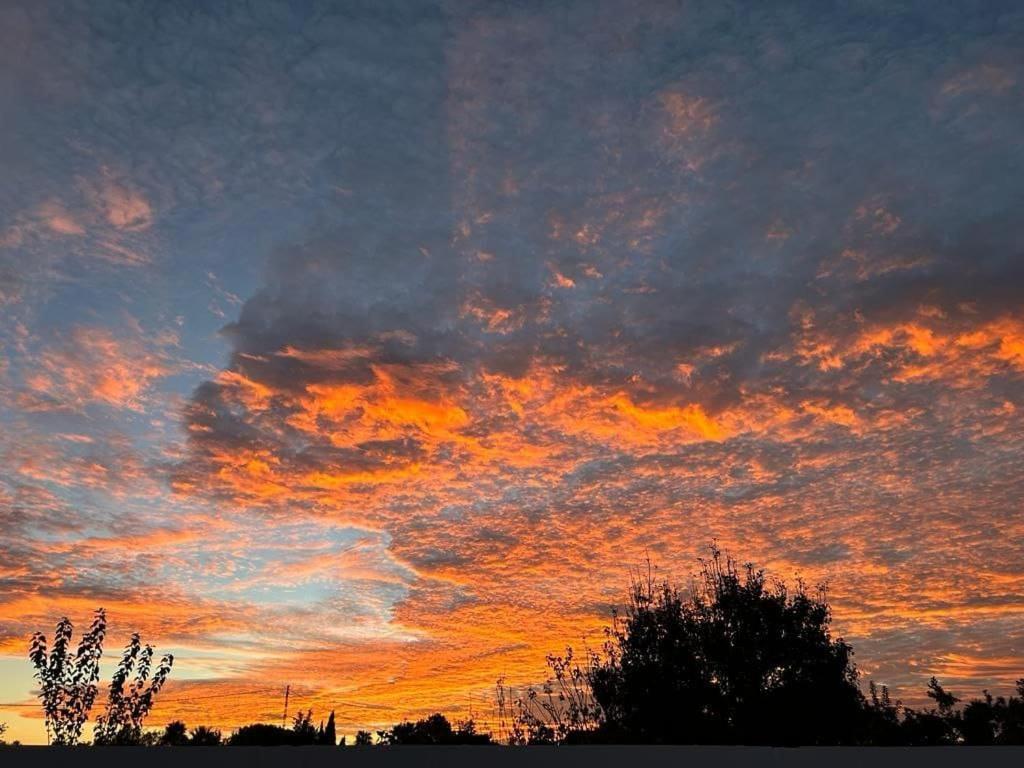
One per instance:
[(216, 695), (162, 700)]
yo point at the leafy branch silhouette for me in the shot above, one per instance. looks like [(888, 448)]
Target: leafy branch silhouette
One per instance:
[(68, 683), (128, 702)]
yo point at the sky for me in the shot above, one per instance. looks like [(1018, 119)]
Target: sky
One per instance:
[(364, 347)]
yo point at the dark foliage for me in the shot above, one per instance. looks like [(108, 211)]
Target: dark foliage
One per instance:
[(129, 700), (739, 660), (563, 710), (68, 684), (175, 734), (262, 735), (998, 720), (364, 739), (302, 733), (203, 736), (736, 660), (303, 730), (327, 735), (988, 721), (433, 730)]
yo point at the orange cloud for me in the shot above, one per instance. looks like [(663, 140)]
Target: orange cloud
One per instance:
[(94, 366)]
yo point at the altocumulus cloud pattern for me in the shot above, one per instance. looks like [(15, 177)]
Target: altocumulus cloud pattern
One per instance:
[(363, 346)]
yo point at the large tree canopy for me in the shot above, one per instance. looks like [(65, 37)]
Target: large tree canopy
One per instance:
[(738, 659)]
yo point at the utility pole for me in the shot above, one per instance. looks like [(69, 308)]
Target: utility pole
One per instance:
[(284, 717)]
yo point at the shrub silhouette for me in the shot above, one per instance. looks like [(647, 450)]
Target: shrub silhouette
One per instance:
[(175, 734), (563, 710), (204, 736), (433, 730), (302, 733), (261, 735), (1003, 719), (882, 721), (67, 684)]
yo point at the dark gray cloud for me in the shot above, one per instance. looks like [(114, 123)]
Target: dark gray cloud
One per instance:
[(708, 217)]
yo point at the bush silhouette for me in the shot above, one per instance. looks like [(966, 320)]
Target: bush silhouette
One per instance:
[(261, 735), (175, 734), (433, 730), (302, 733), (203, 736), (562, 711)]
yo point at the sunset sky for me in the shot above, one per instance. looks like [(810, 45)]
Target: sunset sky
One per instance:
[(364, 347)]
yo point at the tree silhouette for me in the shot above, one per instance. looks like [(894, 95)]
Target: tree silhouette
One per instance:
[(303, 730), (204, 736), (1006, 716), (261, 735), (67, 684), (932, 727), (987, 721), (302, 733), (327, 735), (175, 734), (129, 701), (882, 721), (736, 659), (433, 730), (364, 739), (739, 660)]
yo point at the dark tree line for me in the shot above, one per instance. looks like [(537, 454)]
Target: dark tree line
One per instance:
[(302, 733), (177, 734), (435, 729), (988, 721), (735, 659)]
